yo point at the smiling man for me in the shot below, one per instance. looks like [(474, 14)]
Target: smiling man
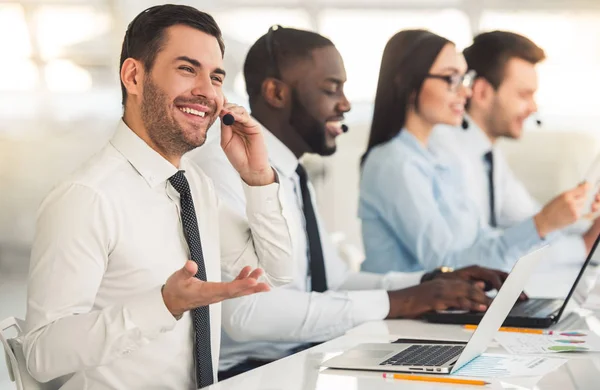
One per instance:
[(502, 100), (295, 81), (125, 275)]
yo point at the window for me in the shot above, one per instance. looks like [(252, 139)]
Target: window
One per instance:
[(20, 73), (361, 36), (57, 28)]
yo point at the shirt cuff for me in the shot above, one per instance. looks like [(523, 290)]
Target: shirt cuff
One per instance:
[(149, 313), (524, 235), (399, 280), (373, 305), (262, 199)]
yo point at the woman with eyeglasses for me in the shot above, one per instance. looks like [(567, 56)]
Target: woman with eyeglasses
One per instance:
[(414, 213)]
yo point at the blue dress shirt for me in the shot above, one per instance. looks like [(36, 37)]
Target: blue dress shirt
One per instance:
[(416, 214)]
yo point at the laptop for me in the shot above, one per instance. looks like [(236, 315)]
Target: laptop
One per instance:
[(533, 313), (442, 358)]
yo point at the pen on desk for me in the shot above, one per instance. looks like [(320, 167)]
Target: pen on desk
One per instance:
[(516, 330), (439, 379)]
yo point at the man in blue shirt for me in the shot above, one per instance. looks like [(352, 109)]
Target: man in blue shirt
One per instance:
[(503, 98)]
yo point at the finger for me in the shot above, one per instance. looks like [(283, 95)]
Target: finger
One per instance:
[(244, 273), (478, 296), (256, 274), (260, 287), (463, 303), (479, 285), (190, 269), (523, 297), (581, 189), (234, 288), (239, 113), (490, 277)]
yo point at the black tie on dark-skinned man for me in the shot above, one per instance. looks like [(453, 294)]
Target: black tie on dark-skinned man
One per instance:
[(317, 264), (200, 315), (489, 158)]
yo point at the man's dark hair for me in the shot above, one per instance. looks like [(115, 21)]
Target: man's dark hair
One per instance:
[(145, 35), (490, 52), (275, 51)]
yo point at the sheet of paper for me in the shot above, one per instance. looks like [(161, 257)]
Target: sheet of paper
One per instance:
[(556, 342), (503, 366)]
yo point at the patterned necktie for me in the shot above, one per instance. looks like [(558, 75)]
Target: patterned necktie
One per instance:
[(317, 264), (489, 158), (200, 315)]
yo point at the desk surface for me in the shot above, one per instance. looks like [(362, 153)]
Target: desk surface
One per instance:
[(302, 371)]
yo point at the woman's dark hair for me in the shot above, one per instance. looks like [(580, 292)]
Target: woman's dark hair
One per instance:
[(406, 61), (145, 35)]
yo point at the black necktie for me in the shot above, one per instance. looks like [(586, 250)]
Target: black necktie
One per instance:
[(200, 315), (489, 157), (317, 264)]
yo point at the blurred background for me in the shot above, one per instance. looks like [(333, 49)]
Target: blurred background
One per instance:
[(60, 96)]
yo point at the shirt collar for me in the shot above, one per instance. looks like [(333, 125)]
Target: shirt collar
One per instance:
[(478, 141), (408, 139), (153, 167), (280, 155)]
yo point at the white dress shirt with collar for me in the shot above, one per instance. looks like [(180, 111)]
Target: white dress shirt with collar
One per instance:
[(512, 202), (107, 239), (268, 326)]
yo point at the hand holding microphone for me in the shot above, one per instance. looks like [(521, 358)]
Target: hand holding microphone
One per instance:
[(244, 145)]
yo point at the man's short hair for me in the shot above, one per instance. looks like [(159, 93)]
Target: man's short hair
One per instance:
[(145, 35), (491, 51), (274, 52)]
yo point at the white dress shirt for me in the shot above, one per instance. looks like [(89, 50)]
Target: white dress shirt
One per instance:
[(268, 326), (512, 202), (107, 239)]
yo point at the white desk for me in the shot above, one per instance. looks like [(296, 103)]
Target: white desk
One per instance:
[(302, 371)]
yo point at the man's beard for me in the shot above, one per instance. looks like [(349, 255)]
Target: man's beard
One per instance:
[(310, 129), (163, 129), (498, 122)]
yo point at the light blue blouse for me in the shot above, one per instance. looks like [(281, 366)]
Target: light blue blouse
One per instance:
[(416, 214)]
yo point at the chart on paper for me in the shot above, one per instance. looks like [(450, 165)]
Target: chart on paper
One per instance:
[(504, 366), (551, 342)]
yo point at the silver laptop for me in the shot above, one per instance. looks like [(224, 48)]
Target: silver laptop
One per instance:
[(443, 358)]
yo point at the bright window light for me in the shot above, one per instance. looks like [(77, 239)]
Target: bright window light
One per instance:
[(18, 75), (56, 27), (246, 25), (569, 78), (361, 36), (65, 76), (14, 35)]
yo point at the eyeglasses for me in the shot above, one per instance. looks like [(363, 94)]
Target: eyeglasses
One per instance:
[(456, 80), (271, 45)]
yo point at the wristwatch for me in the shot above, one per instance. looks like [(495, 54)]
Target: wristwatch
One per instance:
[(433, 274)]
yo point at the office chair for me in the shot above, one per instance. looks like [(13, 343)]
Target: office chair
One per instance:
[(15, 359)]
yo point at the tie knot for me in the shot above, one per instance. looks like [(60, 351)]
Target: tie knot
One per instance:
[(180, 183), (301, 172), (489, 156)]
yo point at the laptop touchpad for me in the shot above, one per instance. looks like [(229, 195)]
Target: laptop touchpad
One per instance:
[(357, 353)]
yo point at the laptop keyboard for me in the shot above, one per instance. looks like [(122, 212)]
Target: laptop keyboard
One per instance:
[(424, 355), (530, 308)]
